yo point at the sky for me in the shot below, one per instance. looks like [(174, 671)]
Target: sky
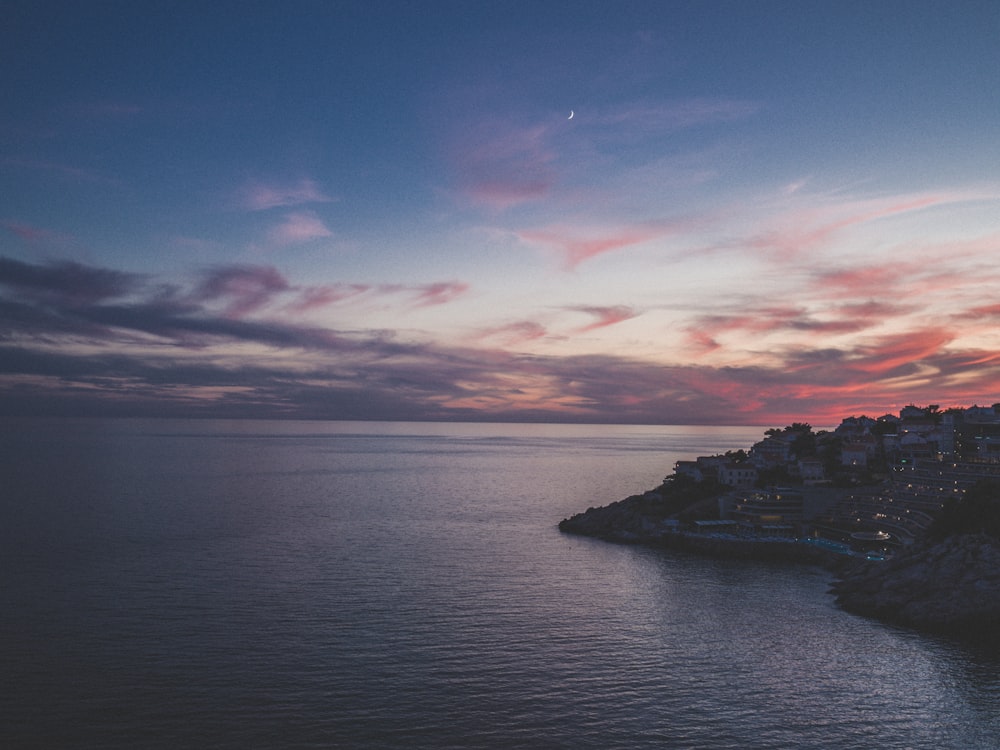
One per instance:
[(630, 212)]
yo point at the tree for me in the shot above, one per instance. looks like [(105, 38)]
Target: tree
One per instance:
[(804, 444), (737, 457)]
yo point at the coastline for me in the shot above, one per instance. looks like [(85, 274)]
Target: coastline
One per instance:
[(634, 528), (949, 587), (904, 511)]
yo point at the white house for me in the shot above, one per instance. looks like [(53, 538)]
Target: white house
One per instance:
[(738, 475), (811, 470)]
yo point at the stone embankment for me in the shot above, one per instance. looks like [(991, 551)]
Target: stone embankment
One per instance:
[(951, 586)]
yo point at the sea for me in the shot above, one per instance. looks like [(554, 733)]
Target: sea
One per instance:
[(297, 584)]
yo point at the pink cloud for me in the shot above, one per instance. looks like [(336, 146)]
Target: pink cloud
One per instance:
[(501, 194), (576, 249), (983, 311), (703, 340), (439, 293), (501, 166), (872, 312), (892, 352), (317, 297), (704, 332), (244, 289), (500, 163), (421, 295), (920, 273), (811, 228), (258, 197), (864, 281), (299, 227), (606, 316), (29, 233), (515, 333), (983, 358)]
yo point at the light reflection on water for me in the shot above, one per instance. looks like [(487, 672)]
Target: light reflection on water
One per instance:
[(382, 585)]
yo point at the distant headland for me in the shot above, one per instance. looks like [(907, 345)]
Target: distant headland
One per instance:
[(905, 508)]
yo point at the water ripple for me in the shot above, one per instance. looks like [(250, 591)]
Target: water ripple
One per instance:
[(393, 586)]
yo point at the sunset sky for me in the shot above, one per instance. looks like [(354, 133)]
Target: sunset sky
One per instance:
[(759, 212)]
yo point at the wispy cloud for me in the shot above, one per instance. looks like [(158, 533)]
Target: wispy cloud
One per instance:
[(605, 316), (66, 171), (259, 196), (32, 234), (242, 289), (890, 353), (750, 323), (425, 295), (503, 162), (858, 281), (298, 227), (439, 293), (66, 282), (319, 297), (513, 334), (814, 226), (930, 271), (989, 312), (578, 244), (81, 339), (500, 165)]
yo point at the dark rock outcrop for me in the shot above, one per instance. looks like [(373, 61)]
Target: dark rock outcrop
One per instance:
[(952, 586), (623, 521)]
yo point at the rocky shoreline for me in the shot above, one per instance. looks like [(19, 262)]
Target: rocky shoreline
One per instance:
[(624, 522), (951, 586)]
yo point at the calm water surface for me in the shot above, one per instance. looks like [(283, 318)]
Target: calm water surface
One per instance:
[(296, 584)]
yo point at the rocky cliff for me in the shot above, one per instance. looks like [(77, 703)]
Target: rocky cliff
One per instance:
[(950, 586)]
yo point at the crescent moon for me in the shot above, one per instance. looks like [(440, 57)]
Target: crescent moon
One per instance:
[(570, 115)]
